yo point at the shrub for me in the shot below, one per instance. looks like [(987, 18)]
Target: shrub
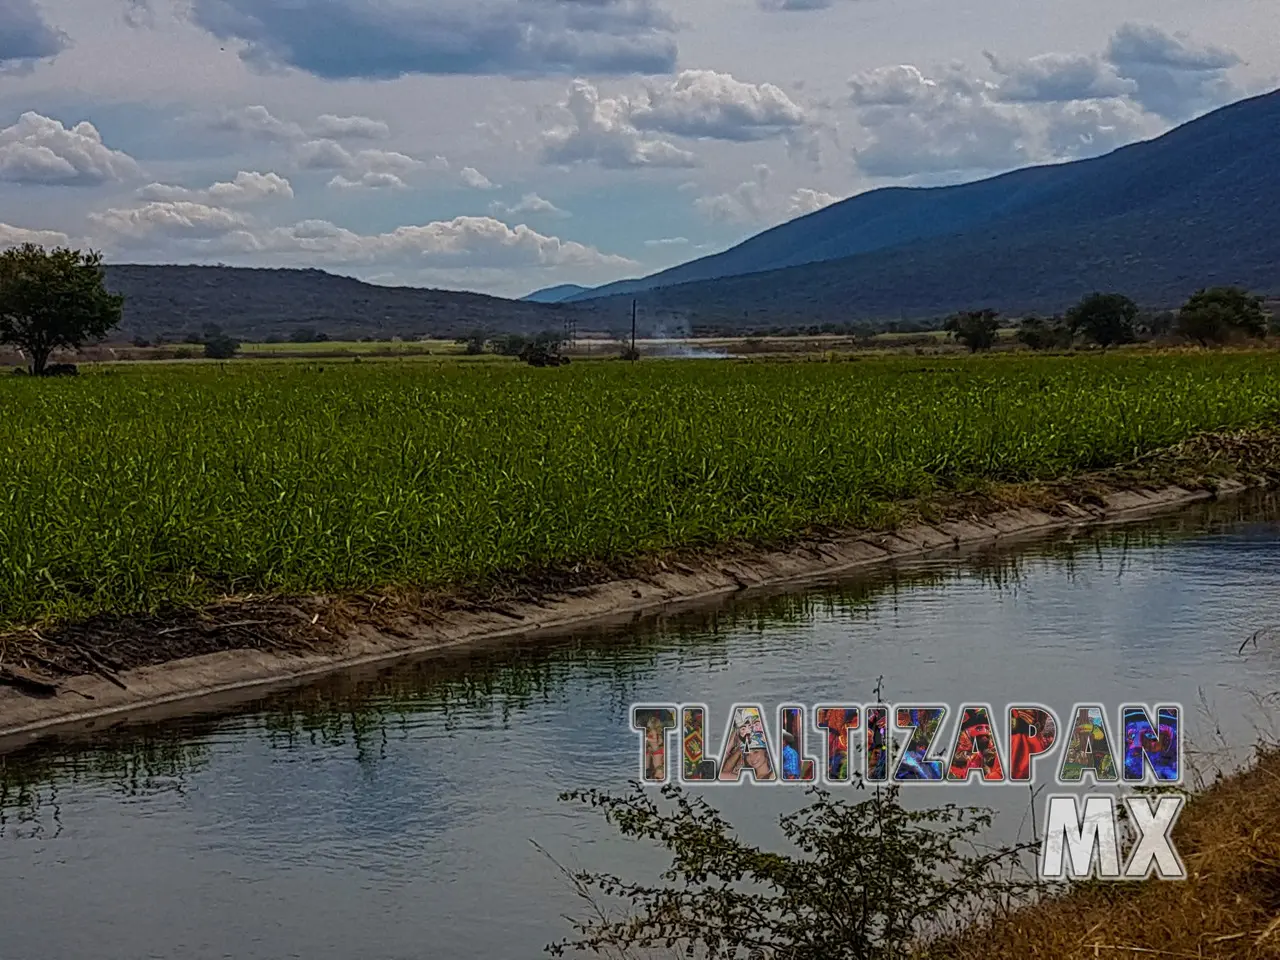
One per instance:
[(1040, 334), (867, 880)]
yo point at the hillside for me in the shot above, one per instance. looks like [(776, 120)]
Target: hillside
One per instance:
[(255, 304), (556, 294), (1157, 219)]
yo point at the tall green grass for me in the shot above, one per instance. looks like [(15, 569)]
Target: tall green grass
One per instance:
[(134, 488)]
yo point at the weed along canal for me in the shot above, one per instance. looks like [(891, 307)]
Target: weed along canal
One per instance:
[(411, 811)]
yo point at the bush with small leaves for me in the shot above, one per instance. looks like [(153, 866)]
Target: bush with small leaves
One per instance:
[(867, 881)]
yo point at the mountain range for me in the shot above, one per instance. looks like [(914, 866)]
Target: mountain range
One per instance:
[(1157, 220)]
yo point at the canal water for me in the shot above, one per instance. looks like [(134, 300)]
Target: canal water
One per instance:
[(391, 814)]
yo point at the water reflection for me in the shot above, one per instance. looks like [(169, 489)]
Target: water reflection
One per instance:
[(387, 812)]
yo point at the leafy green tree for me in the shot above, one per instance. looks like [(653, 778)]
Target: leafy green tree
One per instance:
[(53, 299), (1218, 314), (866, 880), (976, 329), (1040, 334), (221, 347), (1105, 318)]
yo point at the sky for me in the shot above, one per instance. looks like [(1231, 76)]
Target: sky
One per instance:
[(508, 145)]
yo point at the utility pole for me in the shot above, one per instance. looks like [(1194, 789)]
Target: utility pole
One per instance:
[(633, 331)]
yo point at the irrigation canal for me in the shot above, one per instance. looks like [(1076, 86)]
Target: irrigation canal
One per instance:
[(388, 814)]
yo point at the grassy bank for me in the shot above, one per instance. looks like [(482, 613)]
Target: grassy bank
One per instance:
[(135, 488), (1229, 907)]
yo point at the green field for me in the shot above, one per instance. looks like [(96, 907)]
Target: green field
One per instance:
[(137, 486)]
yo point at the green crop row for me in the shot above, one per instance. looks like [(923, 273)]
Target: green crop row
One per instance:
[(136, 488)]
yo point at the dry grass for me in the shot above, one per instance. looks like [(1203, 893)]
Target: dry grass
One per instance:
[(1229, 907)]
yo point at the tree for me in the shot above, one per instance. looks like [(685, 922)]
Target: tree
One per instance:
[(53, 299), (865, 880), (509, 345), (473, 342), (1216, 315), (307, 335), (1104, 318), (221, 347), (1040, 334), (976, 329)]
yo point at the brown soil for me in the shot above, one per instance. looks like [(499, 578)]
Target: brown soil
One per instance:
[(1227, 909), (39, 660)]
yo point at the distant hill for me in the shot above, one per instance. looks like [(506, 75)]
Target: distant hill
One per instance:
[(1158, 219), (254, 304), (556, 294)]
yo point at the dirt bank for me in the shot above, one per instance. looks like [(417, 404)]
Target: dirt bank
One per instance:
[(85, 674)]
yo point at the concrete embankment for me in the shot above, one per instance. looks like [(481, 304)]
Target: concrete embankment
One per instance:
[(342, 634)]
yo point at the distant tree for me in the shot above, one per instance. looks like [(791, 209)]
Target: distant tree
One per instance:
[(274, 338), (1104, 318), (473, 343), (221, 347), (308, 335), (1219, 314), (976, 329), (1156, 325), (141, 342), (509, 345), (53, 299), (1040, 334)]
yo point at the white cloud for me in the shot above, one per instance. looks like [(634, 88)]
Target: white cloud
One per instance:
[(247, 187), (745, 203), (463, 242), (369, 180), (11, 236), (753, 202), (257, 122), (38, 149), (704, 103), (166, 219), (602, 133), (349, 128), (362, 169), (1090, 128), (805, 200), (1058, 78), (668, 242), (1174, 77), (529, 203), (476, 180), (480, 242), (915, 124)]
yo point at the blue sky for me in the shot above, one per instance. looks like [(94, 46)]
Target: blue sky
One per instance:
[(506, 145)]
